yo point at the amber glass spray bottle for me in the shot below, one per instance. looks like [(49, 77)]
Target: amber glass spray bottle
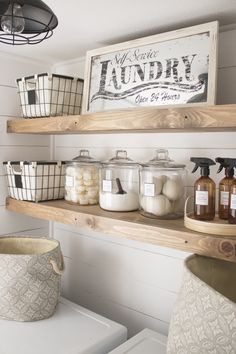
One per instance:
[(204, 190), (232, 193), (224, 188)]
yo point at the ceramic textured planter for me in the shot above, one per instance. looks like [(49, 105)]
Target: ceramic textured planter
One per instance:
[(204, 318), (30, 274)]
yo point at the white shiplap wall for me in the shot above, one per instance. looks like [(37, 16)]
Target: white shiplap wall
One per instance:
[(131, 282), (18, 147)]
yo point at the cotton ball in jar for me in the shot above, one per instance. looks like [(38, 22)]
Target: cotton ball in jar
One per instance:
[(92, 192), (172, 189), (83, 199), (80, 189), (74, 197), (87, 175), (158, 205), (88, 183)]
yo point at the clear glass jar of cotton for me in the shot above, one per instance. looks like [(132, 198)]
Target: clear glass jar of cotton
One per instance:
[(162, 187), (82, 179)]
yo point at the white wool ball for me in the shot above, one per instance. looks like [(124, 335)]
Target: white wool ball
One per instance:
[(172, 189), (158, 205)]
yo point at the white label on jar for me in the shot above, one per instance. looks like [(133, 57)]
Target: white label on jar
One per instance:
[(149, 189), (233, 201), (69, 181), (106, 185), (224, 198), (201, 198)]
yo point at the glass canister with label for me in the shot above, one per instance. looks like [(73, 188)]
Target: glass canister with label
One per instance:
[(119, 183), (82, 179), (162, 187)]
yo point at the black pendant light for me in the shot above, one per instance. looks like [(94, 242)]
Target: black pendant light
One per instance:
[(25, 21)]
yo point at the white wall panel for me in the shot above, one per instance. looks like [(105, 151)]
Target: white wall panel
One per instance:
[(23, 153), (134, 320), (14, 67), (227, 49), (12, 222), (107, 255), (227, 85), (180, 140), (29, 140), (9, 102), (3, 190), (16, 147), (73, 68)]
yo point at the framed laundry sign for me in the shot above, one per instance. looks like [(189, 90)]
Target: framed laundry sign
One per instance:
[(173, 68)]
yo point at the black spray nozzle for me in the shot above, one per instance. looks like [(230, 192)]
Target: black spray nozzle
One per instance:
[(228, 164), (204, 163)]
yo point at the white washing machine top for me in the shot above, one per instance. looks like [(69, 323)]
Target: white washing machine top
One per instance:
[(71, 330), (146, 341)]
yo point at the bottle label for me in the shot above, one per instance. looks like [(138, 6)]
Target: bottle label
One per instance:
[(233, 201), (149, 189), (107, 185), (69, 181), (201, 198), (224, 198)]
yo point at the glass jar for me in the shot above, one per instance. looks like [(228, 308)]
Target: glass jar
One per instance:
[(119, 183), (162, 187), (82, 179)]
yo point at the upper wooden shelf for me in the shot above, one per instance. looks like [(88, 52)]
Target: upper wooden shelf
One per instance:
[(204, 118), (131, 225)]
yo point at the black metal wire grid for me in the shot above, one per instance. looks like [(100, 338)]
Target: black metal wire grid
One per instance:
[(35, 181), (47, 95)]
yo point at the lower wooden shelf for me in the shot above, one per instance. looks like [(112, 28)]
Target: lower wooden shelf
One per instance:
[(131, 225)]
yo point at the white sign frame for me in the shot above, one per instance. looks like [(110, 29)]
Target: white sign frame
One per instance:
[(154, 71)]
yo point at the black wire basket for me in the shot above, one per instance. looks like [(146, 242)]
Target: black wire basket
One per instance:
[(35, 180), (50, 95)]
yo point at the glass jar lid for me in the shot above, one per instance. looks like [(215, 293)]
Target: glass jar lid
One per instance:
[(120, 159), (83, 157), (162, 160)]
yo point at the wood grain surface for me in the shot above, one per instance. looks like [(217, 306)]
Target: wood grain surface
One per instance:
[(131, 225), (202, 118)]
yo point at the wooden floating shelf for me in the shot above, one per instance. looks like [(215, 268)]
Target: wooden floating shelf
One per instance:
[(204, 118), (131, 225)]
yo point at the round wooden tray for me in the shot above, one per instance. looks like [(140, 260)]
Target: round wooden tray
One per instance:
[(214, 227)]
